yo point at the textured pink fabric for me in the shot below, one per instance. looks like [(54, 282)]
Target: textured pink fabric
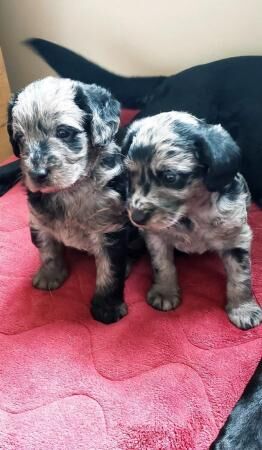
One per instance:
[(153, 381)]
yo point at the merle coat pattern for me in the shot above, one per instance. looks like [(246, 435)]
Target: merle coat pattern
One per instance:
[(185, 192), (64, 132)]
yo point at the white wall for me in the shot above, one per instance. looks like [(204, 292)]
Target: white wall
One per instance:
[(130, 36)]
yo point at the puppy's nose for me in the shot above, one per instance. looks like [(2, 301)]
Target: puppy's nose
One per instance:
[(140, 217), (39, 175)]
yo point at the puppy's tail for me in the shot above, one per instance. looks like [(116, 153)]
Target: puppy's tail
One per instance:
[(132, 92)]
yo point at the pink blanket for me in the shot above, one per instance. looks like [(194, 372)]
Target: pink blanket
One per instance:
[(153, 381)]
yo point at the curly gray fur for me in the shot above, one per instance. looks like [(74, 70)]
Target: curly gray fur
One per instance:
[(73, 171), (186, 193)]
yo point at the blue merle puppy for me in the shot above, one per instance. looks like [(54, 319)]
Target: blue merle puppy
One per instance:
[(185, 192), (63, 131)]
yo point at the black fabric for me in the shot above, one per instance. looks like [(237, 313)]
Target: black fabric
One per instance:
[(9, 175), (243, 428)]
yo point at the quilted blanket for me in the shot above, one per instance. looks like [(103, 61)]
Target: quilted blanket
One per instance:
[(153, 381)]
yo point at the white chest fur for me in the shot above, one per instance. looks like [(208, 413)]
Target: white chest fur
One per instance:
[(79, 218)]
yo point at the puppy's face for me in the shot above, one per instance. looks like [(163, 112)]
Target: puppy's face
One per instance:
[(174, 159), (55, 125)]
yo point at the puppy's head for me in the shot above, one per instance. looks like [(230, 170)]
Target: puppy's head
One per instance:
[(174, 161), (57, 127)]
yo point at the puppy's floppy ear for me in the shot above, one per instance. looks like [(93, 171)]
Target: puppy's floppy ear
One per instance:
[(127, 140), (102, 112), (219, 154), (12, 140)]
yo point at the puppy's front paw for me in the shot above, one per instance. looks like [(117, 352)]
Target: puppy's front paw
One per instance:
[(245, 316), (107, 312), (161, 300), (48, 279)]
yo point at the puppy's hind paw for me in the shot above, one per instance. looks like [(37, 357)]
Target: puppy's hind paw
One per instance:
[(246, 316), (107, 312), (49, 280), (162, 301)]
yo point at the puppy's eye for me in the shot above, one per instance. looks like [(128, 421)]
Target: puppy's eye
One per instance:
[(19, 136), (65, 133), (168, 177)]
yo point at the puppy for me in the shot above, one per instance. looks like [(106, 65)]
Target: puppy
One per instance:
[(63, 131), (185, 192)]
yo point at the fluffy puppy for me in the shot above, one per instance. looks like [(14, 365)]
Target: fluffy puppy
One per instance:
[(185, 192), (63, 132)]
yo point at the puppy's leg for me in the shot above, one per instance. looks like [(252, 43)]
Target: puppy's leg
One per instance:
[(108, 304), (242, 309), (136, 247), (53, 271), (164, 294)]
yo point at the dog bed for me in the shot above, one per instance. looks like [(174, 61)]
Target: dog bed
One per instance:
[(153, 381)]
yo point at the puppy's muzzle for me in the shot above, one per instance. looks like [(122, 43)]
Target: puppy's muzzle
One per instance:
[(39, 175), (138, 216)]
